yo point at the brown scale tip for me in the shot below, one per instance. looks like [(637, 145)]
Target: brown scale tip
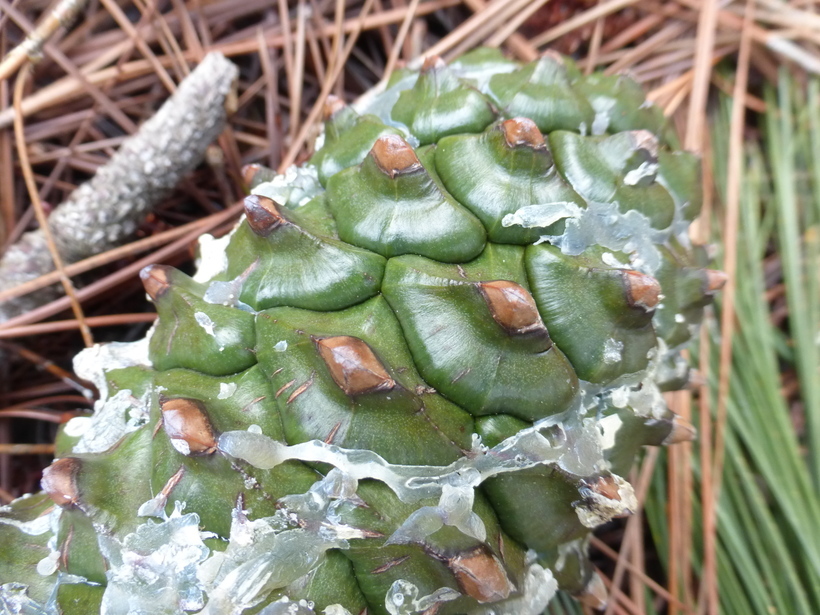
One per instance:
[(432, 63), (481, 575), (188, 426), (605, 486), (394, 156), (249, 172), (682, 431), (522, 131), (60, 481), (333, 104), (715, 280), (353, 365), (594, 594), (263, 214), (645, 140), (642, 290), (156, 280), (512, 306)]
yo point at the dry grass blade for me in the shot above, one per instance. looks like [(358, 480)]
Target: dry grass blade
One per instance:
[(26, 449), (730, 228), (482, 21), (69, 325), (695, 125), (22, 153), (316, 111), (582, 19), (65, 63), (127, 273), (647, 468), (131, 249), (400, 37)]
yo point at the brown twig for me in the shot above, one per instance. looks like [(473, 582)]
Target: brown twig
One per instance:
[(53, 251), (26, 449), (129, 272), (30, 49), (727, 320), (69, 325)]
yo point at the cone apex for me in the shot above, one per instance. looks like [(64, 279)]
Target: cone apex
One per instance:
[(522, 131), (333, 104), (394, 156), (60, 481), (188, 426), (249, 171), (155, 279), (353, 365), (610, 487), (642, 290), (682, 431), (481, 576), (511, 306), (647, 141), (606, 486), (715, 280), (263, 214), (432, 63)]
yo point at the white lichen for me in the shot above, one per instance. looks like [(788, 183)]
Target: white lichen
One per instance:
[(610, 425), (538, 589), (92, 363), (613, 351), (205, 321), (403, 598), (541, 215), (645, 172), (294, 188), (272, 552), (153, 569), (213, 257), (226, 390), (596, 509), (113, 418), (573, 447)]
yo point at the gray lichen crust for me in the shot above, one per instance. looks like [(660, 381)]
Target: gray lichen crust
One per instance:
[(107, 209)]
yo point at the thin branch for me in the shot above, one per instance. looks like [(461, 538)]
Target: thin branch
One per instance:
[(47, 234), (31, 48), (727, 320)]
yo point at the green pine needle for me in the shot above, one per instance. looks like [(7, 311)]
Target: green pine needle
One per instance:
[(769, 511)]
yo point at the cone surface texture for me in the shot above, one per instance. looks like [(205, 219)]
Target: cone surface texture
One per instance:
[(409, 381)]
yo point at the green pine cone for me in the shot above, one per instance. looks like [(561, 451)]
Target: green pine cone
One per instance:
[(409, 381)]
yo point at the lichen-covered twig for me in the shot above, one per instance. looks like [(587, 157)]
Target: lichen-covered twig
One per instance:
[(109, 207)]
